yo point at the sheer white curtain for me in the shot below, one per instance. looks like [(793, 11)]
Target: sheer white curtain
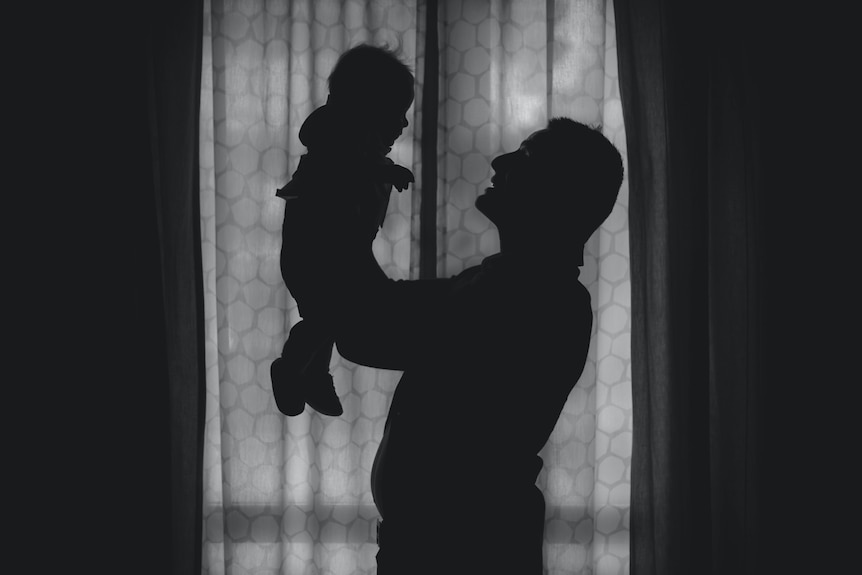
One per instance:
[(292, 495)]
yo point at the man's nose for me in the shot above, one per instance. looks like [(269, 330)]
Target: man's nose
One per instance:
[(501, 162)]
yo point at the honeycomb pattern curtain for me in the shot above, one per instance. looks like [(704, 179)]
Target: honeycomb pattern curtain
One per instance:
[(292, 495)]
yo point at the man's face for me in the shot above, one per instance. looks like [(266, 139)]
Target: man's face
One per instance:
[(513, 172)]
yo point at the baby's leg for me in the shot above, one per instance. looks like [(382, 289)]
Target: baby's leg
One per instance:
[(301, 375), (289, 385), (320, 393), (321, 355)]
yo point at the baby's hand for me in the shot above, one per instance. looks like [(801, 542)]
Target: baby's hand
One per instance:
[(398, 176)]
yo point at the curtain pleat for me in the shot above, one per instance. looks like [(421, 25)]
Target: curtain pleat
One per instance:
[(428, 204), (171, 278)]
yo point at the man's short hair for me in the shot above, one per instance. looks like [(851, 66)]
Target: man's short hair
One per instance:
[(583, 164), (366, 73)]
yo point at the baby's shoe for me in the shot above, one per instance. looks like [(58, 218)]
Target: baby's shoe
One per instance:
[(288, 387), (320, 394), (289, 383)]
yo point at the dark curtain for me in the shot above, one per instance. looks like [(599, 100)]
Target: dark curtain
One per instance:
[(155, 202), (173, 73), (691, 107), (428, 101), (118, 383)]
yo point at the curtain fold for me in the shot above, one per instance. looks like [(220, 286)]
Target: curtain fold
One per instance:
[(694, 217), (428, 202), (173, 72)]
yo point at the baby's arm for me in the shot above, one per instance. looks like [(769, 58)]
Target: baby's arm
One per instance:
[(385, 170), (398, 176)]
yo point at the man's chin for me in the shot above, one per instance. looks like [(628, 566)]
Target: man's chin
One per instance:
[(486, 205)]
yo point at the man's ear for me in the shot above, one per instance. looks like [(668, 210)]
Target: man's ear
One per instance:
[(549, 174)]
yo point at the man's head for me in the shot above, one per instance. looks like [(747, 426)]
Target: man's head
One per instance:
[(561, 184), (374, 88)]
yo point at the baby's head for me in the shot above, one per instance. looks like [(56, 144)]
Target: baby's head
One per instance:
[(374, 88)]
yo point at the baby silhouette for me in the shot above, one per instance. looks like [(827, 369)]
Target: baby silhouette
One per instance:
[(335, 202)]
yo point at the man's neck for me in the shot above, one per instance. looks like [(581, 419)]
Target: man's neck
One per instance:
[(514, 247)]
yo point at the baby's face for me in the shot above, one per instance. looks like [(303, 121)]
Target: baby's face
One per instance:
[(390, 121)]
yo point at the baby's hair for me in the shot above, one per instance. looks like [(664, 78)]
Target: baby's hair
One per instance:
[(365, 72)]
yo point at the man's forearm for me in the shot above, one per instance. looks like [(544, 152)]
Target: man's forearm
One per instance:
[(392, 326)]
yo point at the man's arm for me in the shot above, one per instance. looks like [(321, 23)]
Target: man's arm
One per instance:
[(394, 324), (380, 322)]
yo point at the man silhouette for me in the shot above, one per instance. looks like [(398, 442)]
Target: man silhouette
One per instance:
[(489, 358)]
